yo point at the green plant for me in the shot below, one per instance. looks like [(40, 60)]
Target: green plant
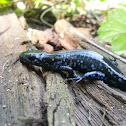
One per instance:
[(5, 4), (113, 30), (61, 8), (5, 1)]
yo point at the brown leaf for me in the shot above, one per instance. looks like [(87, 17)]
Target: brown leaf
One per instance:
[(46, 39)]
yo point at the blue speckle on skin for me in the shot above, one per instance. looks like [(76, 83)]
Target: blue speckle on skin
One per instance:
[(74, 64), (35, 61), (106, 67), (101, 68), (92, 66), (111, 72), (100, 65), (85, 66), (89, 69), (120, 80), (56, 67), (93, 75), (64, 60), (81, 61), (82, 66), (98, 77), (105, 78), (114, 76), (52, 59)]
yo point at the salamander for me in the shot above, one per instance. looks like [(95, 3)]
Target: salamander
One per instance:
[(92, 65)]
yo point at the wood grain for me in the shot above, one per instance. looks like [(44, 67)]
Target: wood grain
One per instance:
[(21, 91)]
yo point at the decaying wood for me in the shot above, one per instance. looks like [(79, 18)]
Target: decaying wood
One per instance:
[(99, 105), (95, 104), (21, 91), (60, 107), (26, 100)]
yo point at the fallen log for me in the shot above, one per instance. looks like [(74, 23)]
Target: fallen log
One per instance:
[(26, 100)]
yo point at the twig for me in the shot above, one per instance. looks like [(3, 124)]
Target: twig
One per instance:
[(95, 16), (42, 15)]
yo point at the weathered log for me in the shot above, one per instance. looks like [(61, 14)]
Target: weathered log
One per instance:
[(21, 91), (60, 106)]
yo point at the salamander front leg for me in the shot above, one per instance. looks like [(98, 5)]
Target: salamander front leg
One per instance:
[(94, 75)]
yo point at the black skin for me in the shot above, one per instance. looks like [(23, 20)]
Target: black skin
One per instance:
[(93, 65)]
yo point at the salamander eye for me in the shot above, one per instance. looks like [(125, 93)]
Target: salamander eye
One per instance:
[(30, 49)]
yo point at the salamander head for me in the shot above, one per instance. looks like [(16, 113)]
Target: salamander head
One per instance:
[(32, 57)]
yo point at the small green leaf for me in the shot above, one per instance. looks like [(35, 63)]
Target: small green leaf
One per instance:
[(102, 0), (5, 1), (114, 30), (122, 45), (19, 11), (122, 53)]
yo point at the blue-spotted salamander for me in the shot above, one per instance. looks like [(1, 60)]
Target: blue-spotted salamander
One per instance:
[(93, 65)]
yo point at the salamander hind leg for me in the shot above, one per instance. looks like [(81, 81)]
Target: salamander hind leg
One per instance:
[(70, 71), (114, 62), (67, 71), (94, 75)]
